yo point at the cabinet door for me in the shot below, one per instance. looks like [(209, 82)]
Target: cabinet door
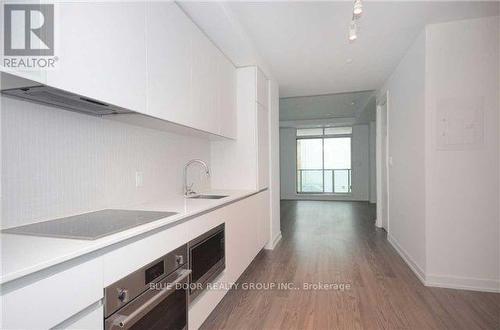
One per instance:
[(262, 146), (91, 320), (44, 303), (102, 52), (264, 219), (204, 79), (227, 97), (168, 37)]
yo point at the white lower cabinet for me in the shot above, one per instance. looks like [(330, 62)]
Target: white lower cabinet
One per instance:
[(69, 296), (264, 219), (62, 292), (89, 319), (244, 227)]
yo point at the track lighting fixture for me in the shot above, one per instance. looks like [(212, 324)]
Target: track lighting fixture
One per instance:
[(353, 30), (358, 8), (356, 14)]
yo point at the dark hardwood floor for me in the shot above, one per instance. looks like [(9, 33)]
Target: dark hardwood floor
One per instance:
[(337, 243)]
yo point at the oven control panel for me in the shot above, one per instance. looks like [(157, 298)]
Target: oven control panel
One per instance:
[(154, 271)]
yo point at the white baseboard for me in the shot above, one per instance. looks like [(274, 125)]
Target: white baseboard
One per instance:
[(462, 283), (275, 241), (440, 281), (406, 257)]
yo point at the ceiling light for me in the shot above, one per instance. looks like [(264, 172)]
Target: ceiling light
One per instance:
[(353, 31), (358, 8), (349, 61)]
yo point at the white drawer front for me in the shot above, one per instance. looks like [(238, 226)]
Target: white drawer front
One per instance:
[(51, 300), (90, 319)]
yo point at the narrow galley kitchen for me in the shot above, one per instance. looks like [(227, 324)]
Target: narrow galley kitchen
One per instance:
[(250, 165)]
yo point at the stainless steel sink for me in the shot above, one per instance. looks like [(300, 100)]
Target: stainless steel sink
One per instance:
[(208, 196)]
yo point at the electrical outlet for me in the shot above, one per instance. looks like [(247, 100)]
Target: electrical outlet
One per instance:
[(139, 179)]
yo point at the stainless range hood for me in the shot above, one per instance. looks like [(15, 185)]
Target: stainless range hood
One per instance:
[(65, 100)]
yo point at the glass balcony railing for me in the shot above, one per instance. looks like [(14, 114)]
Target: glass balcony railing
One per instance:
[(336, 181)]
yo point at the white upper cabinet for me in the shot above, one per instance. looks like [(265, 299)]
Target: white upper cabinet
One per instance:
[(262, 89), (205, 80), (262, 147), (102, 52), (168, 37), (146, 56), (244, 163), (227, 97), (190, 82), (262, 101)]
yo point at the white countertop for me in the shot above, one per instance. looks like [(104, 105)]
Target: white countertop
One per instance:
[(23, 255)]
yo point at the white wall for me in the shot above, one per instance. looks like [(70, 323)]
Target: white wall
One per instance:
[(288, 163), (57, 163), (406, 107), (444, 183), (360, 163), (463, 183), (274, 162), (373, 167), (360, 159)]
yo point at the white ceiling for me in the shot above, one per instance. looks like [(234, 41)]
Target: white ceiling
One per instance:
[(342, 105), (305, 43)]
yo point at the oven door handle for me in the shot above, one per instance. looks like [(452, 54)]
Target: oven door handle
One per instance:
[(152, 303)]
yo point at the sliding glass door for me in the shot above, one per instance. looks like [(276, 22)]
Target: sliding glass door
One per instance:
[(310, 165), (324, 161)]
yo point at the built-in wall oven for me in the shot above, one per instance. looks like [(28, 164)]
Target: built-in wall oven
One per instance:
[(154, 297), (206, 259)]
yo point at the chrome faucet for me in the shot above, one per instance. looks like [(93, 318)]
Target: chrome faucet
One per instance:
[(187, 188)]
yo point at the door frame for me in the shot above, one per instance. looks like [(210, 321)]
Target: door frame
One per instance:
[(382, 101)]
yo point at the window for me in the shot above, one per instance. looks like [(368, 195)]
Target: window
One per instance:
[(338, 130), (324, 160), (309, 131)]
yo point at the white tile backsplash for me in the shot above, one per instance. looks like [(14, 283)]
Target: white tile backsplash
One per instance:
[(57, 163)]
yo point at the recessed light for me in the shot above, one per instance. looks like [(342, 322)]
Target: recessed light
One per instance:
[(349, 61)]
